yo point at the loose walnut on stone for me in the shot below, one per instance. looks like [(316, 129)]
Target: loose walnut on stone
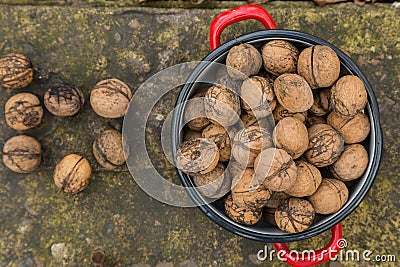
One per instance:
[(325, 145), (22, 154), (108, 149), (222, 105), (63, 100), (351, 164), (249, 191), (348, 96), (243, 58), (330, 196), (213, 184), (199, 155), (242, 215), (280, 57), (23, 111), (248, 143), (291, 135), (277, 168), (15, 71), (72, 174), (353, 130), (308, 180), (110, 98), (319, 65), (295, 215), (293, 92)]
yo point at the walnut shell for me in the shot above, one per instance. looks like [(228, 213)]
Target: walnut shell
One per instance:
[(242, 215), (199, 155), (72, 173), (325, 145), (235, 169), (248, 191), (353, 130), (22, 154), (348, 96), (280, 57), (108, 149), (222, 105), (276, 199), (322, 102), (23, 111), (243, 60), (277, 168), (219, 135), (248, 143), (191, 135), (291, 135), (293, 92), (280, 112), (295, 215), (63, 100), (308, 180), (330, 196), (213, 184), (351, 164), (248, 119), (312, 120), (195, 115), (110, 98), (319, 65), (15, 71), (258, 96)]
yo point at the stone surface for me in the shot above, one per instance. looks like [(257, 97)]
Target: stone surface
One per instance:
[(85, 45)]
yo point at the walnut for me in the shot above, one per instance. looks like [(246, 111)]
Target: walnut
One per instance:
[(348, 96), (72, 174), (353, 130), (312, 120), (110, 98), (276, 199), (243, 60), (191, 135), (330, 196), (293, 92), (219, 135), (248, 143), (199, 155), (291, 135), (248, 191), (248, 119), (22, 154), (258, 96), (308, 180), (280, 57), (280, 112), (213, 184), (351, 164), (63, 100), (242, 215), (325, 145), (295, 215), (277, 168), (322, 102), (222, 105), (195, 115), (23, 111), (108, 149), (319, 65), (15, 71), (235, 169)]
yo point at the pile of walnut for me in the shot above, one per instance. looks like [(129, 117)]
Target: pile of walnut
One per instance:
[(290, 171), (23, 111)]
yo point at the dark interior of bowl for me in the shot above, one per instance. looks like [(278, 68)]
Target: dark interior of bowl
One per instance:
[(263, 231)]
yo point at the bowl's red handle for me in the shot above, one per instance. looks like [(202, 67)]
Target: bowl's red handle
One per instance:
[(320, 256), (237, 14)]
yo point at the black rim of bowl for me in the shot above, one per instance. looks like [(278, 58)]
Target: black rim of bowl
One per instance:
[(373, 111)]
